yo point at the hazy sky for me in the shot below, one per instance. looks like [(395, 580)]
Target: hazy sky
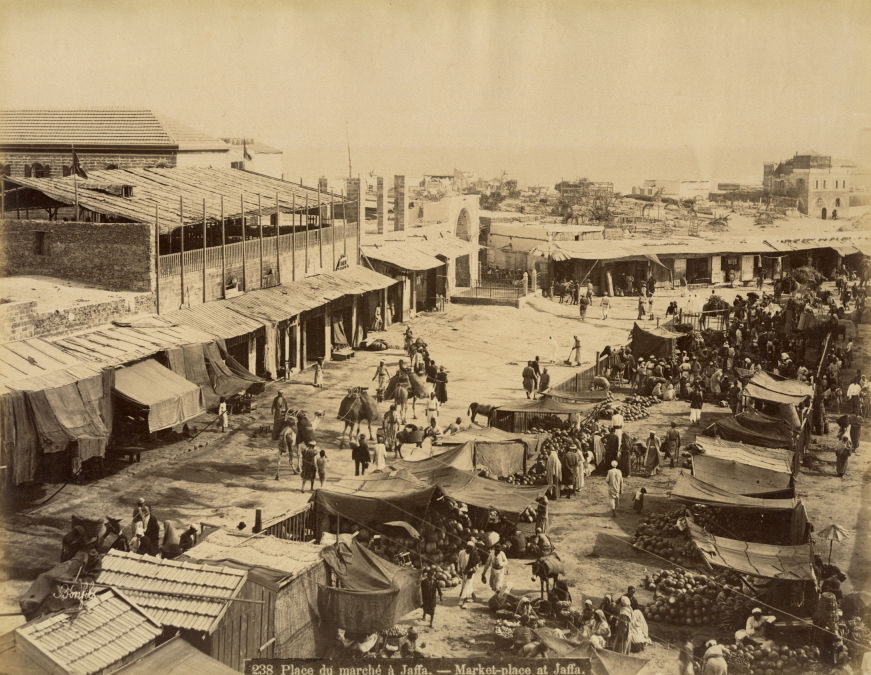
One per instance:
[(622, 90)]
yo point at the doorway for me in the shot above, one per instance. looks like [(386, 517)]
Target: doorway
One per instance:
[(463, 271), (823, 214), (315, 347), (239, 351)]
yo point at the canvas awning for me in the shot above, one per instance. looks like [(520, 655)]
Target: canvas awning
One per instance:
[(772, 459), (374, 594), (658, 342), (169, 398), (403, 257), (754, 428), (762, 560), (779, 390), (485, 493), (690, 490), (375, 500), (742, 479), (844, 250)]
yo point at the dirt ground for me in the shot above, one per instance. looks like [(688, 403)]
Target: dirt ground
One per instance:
[(222, 478)]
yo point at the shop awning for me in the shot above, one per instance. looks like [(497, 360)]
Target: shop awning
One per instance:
[(689, 490), (863, 246), (779, 390), (170, 398), (844, 250), (772, 459), (761, 560), (742, 479), (216, 318), (401, 256)]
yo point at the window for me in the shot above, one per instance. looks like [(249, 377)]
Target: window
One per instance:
[(41, 171), (837, 203), (824, 185), (237, 165), (817, 184), (5, 169), (66, 171), (40, 245), (28, 171)]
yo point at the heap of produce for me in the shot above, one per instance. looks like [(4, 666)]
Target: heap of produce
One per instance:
[(631, 409), (659, 534), (644, 401), (776, 659), (695, 599), (445, 574), (523, 479)]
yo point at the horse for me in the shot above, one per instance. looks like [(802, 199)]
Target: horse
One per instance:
[(547, 569), (482, 408), (357, 406)]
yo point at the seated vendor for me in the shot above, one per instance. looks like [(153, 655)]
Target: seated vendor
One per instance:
[(517, 545), (541, 544), (408, 648), (756, 626)]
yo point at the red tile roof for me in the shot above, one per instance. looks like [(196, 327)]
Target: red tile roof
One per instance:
[(101, 127)]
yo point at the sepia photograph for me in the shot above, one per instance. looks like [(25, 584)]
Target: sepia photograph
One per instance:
[(447, 338)]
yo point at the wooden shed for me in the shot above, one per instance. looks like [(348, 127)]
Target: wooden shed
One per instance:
[(282, 581)]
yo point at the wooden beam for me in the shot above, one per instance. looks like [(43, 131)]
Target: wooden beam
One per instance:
[(181, 256)]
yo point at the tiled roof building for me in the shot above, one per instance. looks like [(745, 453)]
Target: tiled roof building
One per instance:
[(39, 141)]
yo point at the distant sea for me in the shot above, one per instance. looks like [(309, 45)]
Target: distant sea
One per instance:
[(625, 167)]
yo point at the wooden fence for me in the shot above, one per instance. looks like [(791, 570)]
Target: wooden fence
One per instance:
[(490, 293), (296, 525)]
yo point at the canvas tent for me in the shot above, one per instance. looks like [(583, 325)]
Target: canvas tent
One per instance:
[(484, 493), (754, 428), (373, 500), (653, 341), (373, 594), (743, 472), (794, 563), (167, 398), (780, 520), (524, 414)]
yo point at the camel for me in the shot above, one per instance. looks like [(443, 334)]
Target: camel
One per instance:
[(357, 406)]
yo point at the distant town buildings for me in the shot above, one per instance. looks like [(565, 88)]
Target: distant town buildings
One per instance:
[(820, 186), (251, 155), (677, 188), (38, 142)]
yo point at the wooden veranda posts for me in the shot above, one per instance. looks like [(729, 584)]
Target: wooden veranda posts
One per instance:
[(260, 228), (305, 272), (293, 237), (277, 235), (223, 252), (360, 211), (344, 225), (205, 300), (332, 232), (244, 257), (157, 258), (320, 233), (181, 257)]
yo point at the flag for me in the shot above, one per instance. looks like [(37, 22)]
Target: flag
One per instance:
[(245, 154), (77, 168)]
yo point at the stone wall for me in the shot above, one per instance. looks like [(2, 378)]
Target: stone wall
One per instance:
[(90, 161), (114, 256), (21, 320)]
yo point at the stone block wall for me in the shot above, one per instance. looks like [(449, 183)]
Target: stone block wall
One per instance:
[(114, 256), (57, 160)]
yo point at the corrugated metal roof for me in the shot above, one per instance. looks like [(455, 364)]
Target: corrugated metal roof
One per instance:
[(164, 188), (25, 363), (108, 629), (101, 126), (216, 318), (176, 593)]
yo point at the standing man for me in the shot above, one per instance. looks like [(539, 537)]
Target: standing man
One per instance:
[(528, 376), (430, 594), (544, 381), (279, 410), (554, 472), (614, 481), (672, 443), (606, 305), (381, 377), (308, 469), (696, 401), (390, 424), (468, 561), (223, 415), (576, 351), (360, 455), (286, 443)]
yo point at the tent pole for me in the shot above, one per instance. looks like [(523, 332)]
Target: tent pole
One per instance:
[(320, 232), (305, 274)]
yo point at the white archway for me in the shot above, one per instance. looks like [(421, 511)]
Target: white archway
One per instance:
[(463, 229)]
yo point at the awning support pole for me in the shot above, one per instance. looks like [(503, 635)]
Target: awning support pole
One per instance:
[(181, 255), (157, 258), (333, 231), (244, 256), (320, 232), (306, 236), (277, 235), (204, 251), (260, 228), (223, 252), (293, 238)]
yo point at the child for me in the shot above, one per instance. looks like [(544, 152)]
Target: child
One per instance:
[(638, 501), (321, 463), (318, 370), (223, 415), (606, 305)]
